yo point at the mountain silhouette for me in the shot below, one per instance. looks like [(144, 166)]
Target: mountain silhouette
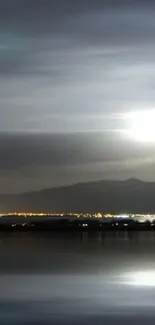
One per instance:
[(113, 196)]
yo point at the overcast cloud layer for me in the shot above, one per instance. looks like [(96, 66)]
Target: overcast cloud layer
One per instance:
[(68, 66)]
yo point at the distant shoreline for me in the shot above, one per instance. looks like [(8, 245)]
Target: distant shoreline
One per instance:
[(74, 225)]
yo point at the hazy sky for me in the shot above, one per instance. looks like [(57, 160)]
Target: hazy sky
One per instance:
[(68, 66)]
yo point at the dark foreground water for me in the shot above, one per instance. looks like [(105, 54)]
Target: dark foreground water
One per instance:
[(77, 278)]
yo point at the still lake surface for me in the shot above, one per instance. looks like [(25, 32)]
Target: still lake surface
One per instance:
[(77, 278)]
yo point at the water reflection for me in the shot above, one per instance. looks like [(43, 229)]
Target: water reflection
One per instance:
[(81, 278)]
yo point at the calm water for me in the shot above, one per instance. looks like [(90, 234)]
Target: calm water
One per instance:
[(77, 278)]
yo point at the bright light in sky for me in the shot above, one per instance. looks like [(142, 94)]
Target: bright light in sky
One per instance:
[(141, 278), (142, 125)]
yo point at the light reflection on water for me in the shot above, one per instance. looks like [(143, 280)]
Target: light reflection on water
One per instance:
[(77, 277)]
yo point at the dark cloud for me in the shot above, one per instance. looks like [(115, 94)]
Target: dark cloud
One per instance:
[(39, 161), (37, 17), (66, 150)]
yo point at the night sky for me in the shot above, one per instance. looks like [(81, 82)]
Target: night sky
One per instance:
[(70, 73)]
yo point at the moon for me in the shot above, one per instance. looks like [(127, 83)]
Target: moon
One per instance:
[(141, 278), (142, 126)]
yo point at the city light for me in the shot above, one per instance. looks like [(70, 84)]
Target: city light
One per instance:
[(122, 216), (137, 217)]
